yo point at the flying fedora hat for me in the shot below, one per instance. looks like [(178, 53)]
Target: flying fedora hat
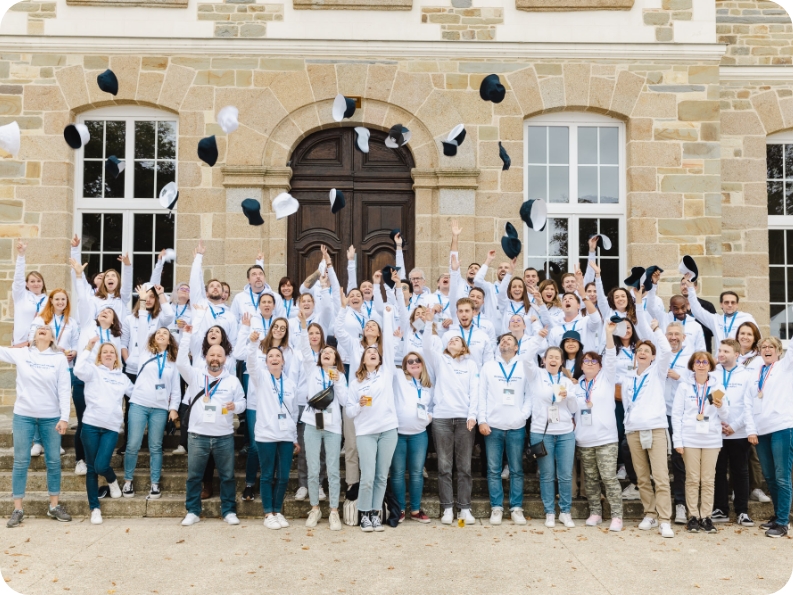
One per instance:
[(510, 243), (534, 214), (251, 208), (343, 107), (228, 119), (491, 89), (453, 140)]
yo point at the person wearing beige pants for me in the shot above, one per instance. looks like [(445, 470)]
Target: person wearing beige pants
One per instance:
[(700, 480), (351, 470), (652, 461)]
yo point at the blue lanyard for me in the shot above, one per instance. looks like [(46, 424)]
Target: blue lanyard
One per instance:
[(324, 386), (520, 342), (727, 331), (280, 393), (213, 311), (440, 302), (161, 366), (288, 308), (180, 314), (703, 399), (361, 320), (255, 302), (207, 392), (637, 391), (416, 335), (418, 388), (417, 298), (470, 332), (558, 380), (58, 327), (504, 372), (588, 389), (726, 377), (101, 340), (38, 304), (674, 361), (628, 353), (564, 326), (266, 325), (478, 322), (519, 310), (764, 375), (369, 307)]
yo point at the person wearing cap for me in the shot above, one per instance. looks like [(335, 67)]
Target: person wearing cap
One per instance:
[(724, 325), (697, 416), (770, 428), (573, 355), (586, 326), (115, 291), (734, 453), (678, 312), (596, 431), (706, 305), (646, 424), (477, 341), (29, 295)]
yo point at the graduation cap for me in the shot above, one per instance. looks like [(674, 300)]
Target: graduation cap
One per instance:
[(284, 205), (76, 135), (454, 139), (603, 241), (648, 276), (552, 268), (398, 136), (510, 243), (9, 138), (108, 82), (635, 278), (337, 202), (491, 89), (170, 255), (387, 271), (208, 150), (362, 138), (393, 235), (228, 119), (622, 326), (574, 335), (689, 267), (251, 208), (502, 153), (168, 196), (343, 107), (114, 166), (534, 213)]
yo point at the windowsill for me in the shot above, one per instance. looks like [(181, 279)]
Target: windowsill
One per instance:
[(353, 4), (133, 3), (571, 5)]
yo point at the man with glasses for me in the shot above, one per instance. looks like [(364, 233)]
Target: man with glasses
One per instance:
[(724, 325)]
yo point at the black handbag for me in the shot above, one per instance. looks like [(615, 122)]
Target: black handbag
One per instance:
[(319, 403), (184, 414), (537, 451)]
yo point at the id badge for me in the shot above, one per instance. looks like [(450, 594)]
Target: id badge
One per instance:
[(283, 424), (327, 417), (421, 411), (703, 426), (210, 413), (508, 396), (586, 417), (553, 414), (159, 392), (757, 406)]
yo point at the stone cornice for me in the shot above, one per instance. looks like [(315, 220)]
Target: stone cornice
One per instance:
[(256, 176), (353, 4), (446, 178), (128, 3), (572, 5)]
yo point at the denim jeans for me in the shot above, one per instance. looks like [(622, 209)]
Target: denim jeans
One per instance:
[(776, 458), (199, 448), (375, 452), (24, 428), (99, 444), (252, 462), (454, 443), (317, 442), (272, 486), (410, 454), (139, 418), (496, 443), (557, 465), (78, 396)]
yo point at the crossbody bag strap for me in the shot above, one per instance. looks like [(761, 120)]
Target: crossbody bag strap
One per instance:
[(199, 394), (140, 369)]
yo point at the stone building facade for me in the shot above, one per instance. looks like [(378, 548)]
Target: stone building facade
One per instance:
[(695, 90)]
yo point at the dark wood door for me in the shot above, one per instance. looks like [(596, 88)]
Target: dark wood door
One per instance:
[(378, 189)]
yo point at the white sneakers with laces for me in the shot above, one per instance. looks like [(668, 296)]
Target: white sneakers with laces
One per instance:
[(759, 495), (517, 516), (281, 520), (231, 519), (648, 523), (96, 517), (334, 520), (179, 450), (466, 515), (448, 516), (622, 473), (666, 530), (301, 494), (616, 525), (680, 515), (322, 495), (594, 520), (313, 517), (271, 522), (80, 468), (631, 492), (190, 519), (567, 519), (495, 516), (115, 490), (550, 521)]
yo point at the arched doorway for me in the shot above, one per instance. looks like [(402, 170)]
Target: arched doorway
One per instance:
[(378, 189)]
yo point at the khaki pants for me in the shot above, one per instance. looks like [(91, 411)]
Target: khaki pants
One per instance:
[(700, 480), (351, 471), (656, 504)]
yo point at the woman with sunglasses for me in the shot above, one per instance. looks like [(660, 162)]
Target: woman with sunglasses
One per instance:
[(698, 413), (596, 431)]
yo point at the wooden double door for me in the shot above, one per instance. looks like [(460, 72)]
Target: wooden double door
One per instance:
[(378, 189)]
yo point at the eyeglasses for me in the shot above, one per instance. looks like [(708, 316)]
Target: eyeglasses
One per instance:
[(279, 328), (416, 278), (701, 362), (591, 361), (413, 361)]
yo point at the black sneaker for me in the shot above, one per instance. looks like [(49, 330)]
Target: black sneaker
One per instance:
[(777, 531), (770, 524), (59, 514), (376, 524), (154, 492), (244, 451), (103, 492), (249, 494), (16, 519), (366, 523), (122, 450), (129, 490), (719, 517), (707, 526), (745, 520), (693, 525)]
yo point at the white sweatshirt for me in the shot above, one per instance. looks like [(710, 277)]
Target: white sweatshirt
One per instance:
[(276, 404), (774, 411), (602, 426), (130, 335), (43, 382), (679, 364), (316, 380), (349, 332), (181, 312), (504, 394), (414, 404), (157, 385), (587, 327), (456, 392), (686, 409), (213, 315), (293, 364), (695, 336), (65, 330), (723, 326), (737, 383), (119, 304), (27, 305), (480, 344), (104, 391)]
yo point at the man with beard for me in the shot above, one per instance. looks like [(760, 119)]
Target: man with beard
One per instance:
[(207, 306)]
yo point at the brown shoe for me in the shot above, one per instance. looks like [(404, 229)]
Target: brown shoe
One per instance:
[(206, 492)]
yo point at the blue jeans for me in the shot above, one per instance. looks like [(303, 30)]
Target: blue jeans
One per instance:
[(222, 450), (775, 451), (272, 489), (375, 452), (99, 444), (139, 418), (314, 440), (24, 428), (410, 454), (557, 465), (252, 462), (495, 444)]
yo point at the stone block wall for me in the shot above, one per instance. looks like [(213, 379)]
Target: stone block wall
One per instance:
[(663, 19), (463, 22), (756, 32), (36, 12), (240, 18)]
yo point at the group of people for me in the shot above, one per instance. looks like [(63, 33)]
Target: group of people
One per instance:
[(597, 384)]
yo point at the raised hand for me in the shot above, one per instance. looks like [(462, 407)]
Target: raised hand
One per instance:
[(593, 243), (246, 319), (377, 278), (254, 337), (159, 289), (491, 255), (260, 255), (21, 247), (342, 297), (456, 229), (188, 328), (91, 342), (75, 241), (398, 240), (351, 253), (395, 276), (142, 293), (124, 259), (200, 249), (162, 254), (77, 267), (543, 332)]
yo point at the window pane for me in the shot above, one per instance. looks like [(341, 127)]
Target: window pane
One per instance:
[(537, 186), (91, 232), (611, 228), (111, 233), (788, 247), (537, 144), (557, 237), (110, 261), (144, 179), (586, 229), (779, 326), (559, 144), (115, 139), (776, 277), (773, 155), (143, 240), (609, 145), (94, 261), (776, 246), (610, 272), (588, 184), (144, 140), (166, 140), (93, 150), (163, 232), (788, 161), (536, 243), (789, 198), (141, 268), (775, 204), (166, 172), (167, 277), (587, 144), (92, 179), (559, 190), (114, 187), (609, 184)]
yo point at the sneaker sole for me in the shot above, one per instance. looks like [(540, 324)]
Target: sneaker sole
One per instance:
[(775, 536), (746, 524), (128, 495), (367, 530), (650, 528), (153, 497), (54, 518), (724, 520), (379, 529)]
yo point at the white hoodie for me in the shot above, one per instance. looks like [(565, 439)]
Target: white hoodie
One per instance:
[(686, 409), (738, 396), (504, 395), (27, 305), (66, 333), (104, 391), (774, 411), (603, 427), (276, 402), (723, 326), (130, 336), (43, 382), (316, 380), (157, 384), (414, 404)]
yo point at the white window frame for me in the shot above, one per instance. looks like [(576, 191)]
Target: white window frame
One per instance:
[(574, 211)]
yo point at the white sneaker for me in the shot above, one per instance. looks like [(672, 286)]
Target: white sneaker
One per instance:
[(594, 520), (505, 472), (281, 520), (36, 450), (179, 450), (616, 525), (648, 523), (63, 452), (631, 492), (495, 516), (301, 494), (666, 530), (271, 522), (81, 468), (313, 517), (566, 519), (621, 472), (115, 490), (680, 515), (448, 516), (231, 519), (334, 520), (517, 516), (466, 515), (96, 517), (190, 519), (550, 521), (322, 495), (759, 495)]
